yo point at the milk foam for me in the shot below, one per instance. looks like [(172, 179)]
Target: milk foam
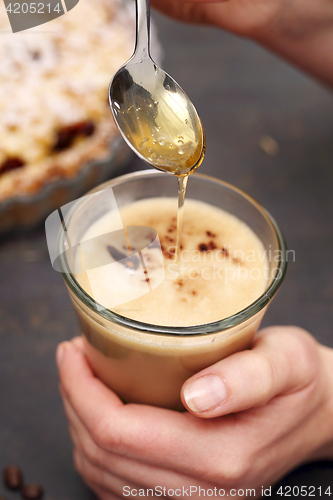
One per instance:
[(222, 268)]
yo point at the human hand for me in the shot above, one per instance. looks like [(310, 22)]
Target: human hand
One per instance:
[(277, 413), (250, 18), (243, 17), (298, 30)]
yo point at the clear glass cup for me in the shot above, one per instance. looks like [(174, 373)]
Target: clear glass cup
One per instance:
[(146, 363)]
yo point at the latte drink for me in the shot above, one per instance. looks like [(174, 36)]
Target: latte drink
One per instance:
[(221, 270), (158, 319)]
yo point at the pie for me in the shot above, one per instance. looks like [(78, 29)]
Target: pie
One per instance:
[(54, 110)]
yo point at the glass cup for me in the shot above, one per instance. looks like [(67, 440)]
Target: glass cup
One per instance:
[(146, 363)]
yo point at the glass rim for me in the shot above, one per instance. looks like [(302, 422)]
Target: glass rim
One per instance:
[(202, 329)]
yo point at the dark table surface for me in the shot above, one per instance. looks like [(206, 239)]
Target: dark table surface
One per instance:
[(242, 93)]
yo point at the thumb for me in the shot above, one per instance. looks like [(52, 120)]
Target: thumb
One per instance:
[(282, 360)]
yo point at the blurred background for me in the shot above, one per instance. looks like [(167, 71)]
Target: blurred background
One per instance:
[(269, 131)]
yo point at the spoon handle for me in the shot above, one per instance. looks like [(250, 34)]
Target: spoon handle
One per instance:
[(142, 44)]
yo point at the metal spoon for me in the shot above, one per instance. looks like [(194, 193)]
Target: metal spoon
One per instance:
[(154, 115)]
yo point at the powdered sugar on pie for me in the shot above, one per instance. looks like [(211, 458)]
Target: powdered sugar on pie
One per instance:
[(54, 110)]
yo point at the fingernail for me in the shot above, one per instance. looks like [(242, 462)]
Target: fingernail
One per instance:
[(205, 393), (60, 353)]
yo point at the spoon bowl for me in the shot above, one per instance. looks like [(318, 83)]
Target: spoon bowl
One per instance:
[(154, 115)]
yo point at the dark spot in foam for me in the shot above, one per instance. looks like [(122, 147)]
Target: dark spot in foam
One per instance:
[(203, 247), (170, 253), (35, 55)]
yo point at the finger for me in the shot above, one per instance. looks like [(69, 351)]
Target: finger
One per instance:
[(162, 438), (194, 11), (76, 375), (102, 493), (105, 495), (78, 342), (97, 477), (126, 429), (127, 469), (282, 360)]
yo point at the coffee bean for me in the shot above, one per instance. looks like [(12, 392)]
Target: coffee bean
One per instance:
[(32, 492), (12, 477)]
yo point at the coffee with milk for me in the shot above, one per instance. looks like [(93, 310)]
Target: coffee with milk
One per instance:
[(222, 269)]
